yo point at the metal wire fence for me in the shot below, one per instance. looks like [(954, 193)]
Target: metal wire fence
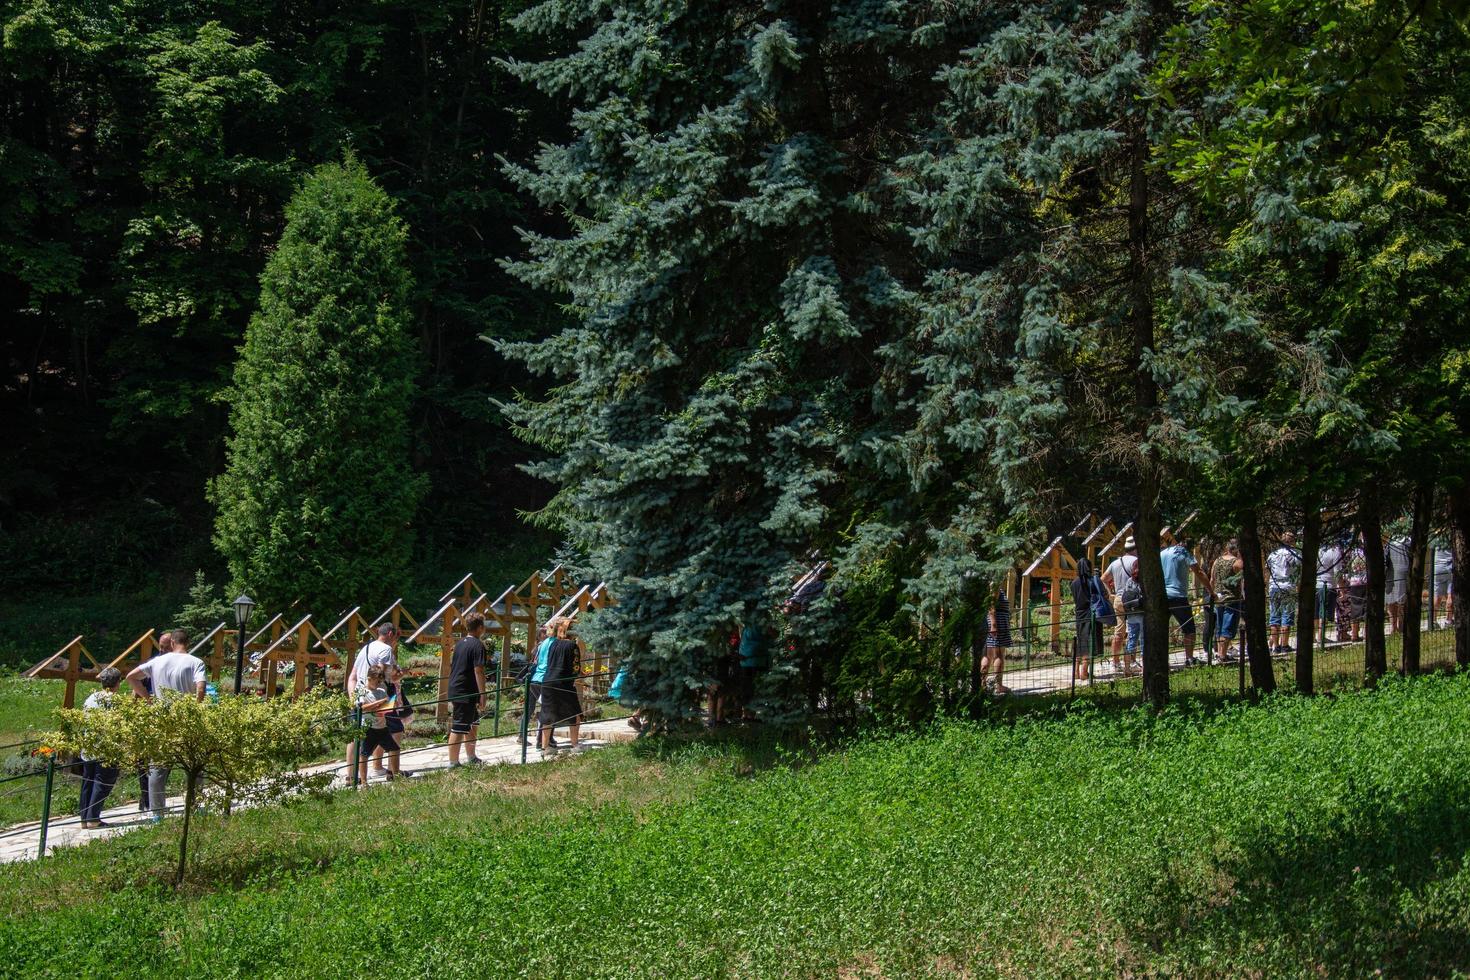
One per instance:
[(1084, 653), (513, 698)]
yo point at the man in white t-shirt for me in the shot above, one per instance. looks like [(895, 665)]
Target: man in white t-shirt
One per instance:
[(1329, 558), (380, 652), (383, 650), (1285, 567), (1444, 567), (1130, 623), (1396, 585), (172, 675)]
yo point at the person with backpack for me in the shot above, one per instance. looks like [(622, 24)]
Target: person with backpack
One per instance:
[(383, 652), (1227, 575), (1123, 585)]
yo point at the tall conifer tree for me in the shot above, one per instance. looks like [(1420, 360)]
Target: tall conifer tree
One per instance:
[(734, 266), (317, 499)]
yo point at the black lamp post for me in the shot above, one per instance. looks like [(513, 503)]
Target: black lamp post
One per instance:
[(244, 606)]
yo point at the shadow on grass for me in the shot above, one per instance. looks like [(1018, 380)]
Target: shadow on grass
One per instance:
[(1365, 894), (747, 749)]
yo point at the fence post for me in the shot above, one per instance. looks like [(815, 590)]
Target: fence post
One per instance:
[(1093, 655), (356, 744), (1026, 621), (525, 717), (1242, 661), (46, 803), (1076, 651), (498, 683)]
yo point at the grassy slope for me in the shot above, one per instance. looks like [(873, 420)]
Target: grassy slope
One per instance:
[(1305, 835)]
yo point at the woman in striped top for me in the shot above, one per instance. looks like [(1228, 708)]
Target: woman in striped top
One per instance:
[(997, 641)]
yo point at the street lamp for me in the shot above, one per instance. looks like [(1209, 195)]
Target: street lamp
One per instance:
[(244, 606)]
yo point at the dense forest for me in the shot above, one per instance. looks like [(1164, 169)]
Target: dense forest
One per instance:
[(903, 286), (147, 154)]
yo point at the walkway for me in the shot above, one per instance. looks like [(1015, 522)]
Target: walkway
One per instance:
[(1055, 677), (20, 841)]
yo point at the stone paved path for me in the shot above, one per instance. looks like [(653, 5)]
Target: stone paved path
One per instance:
[(20, 842), (1058, 676)]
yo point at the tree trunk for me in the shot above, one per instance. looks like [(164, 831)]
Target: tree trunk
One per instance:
[(1253, 582), (1414, 599), (1375, 649), (1155, 602), (1306, 598), (1460, 575), (1146, 526), (184, 837)]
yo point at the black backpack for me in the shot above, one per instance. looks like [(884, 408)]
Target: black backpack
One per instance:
[(1132, 591)]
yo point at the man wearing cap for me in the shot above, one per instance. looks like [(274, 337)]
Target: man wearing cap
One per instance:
[(1122, 573)]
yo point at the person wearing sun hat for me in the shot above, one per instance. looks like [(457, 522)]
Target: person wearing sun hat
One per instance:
[(1121, 576)]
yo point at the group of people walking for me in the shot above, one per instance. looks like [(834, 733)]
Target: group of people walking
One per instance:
[(172, 669), (375, 682), (1114, 599)]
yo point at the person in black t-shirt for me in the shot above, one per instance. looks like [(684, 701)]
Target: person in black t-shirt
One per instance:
[(560, 704), (467, 691)]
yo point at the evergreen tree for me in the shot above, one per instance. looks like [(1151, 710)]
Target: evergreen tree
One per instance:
[(734, 264), (317, 498)]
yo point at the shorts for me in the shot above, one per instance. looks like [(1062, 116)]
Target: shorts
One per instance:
[(1396, 592), (1183, 614), (1228, 615), (745, 683), (395, 723), (720, 674), (464, 713), (377, 738), (1283, 608), (1135, 634), (1441, 585)]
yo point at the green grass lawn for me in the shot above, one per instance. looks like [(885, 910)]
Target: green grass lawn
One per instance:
[(1301, 837)]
